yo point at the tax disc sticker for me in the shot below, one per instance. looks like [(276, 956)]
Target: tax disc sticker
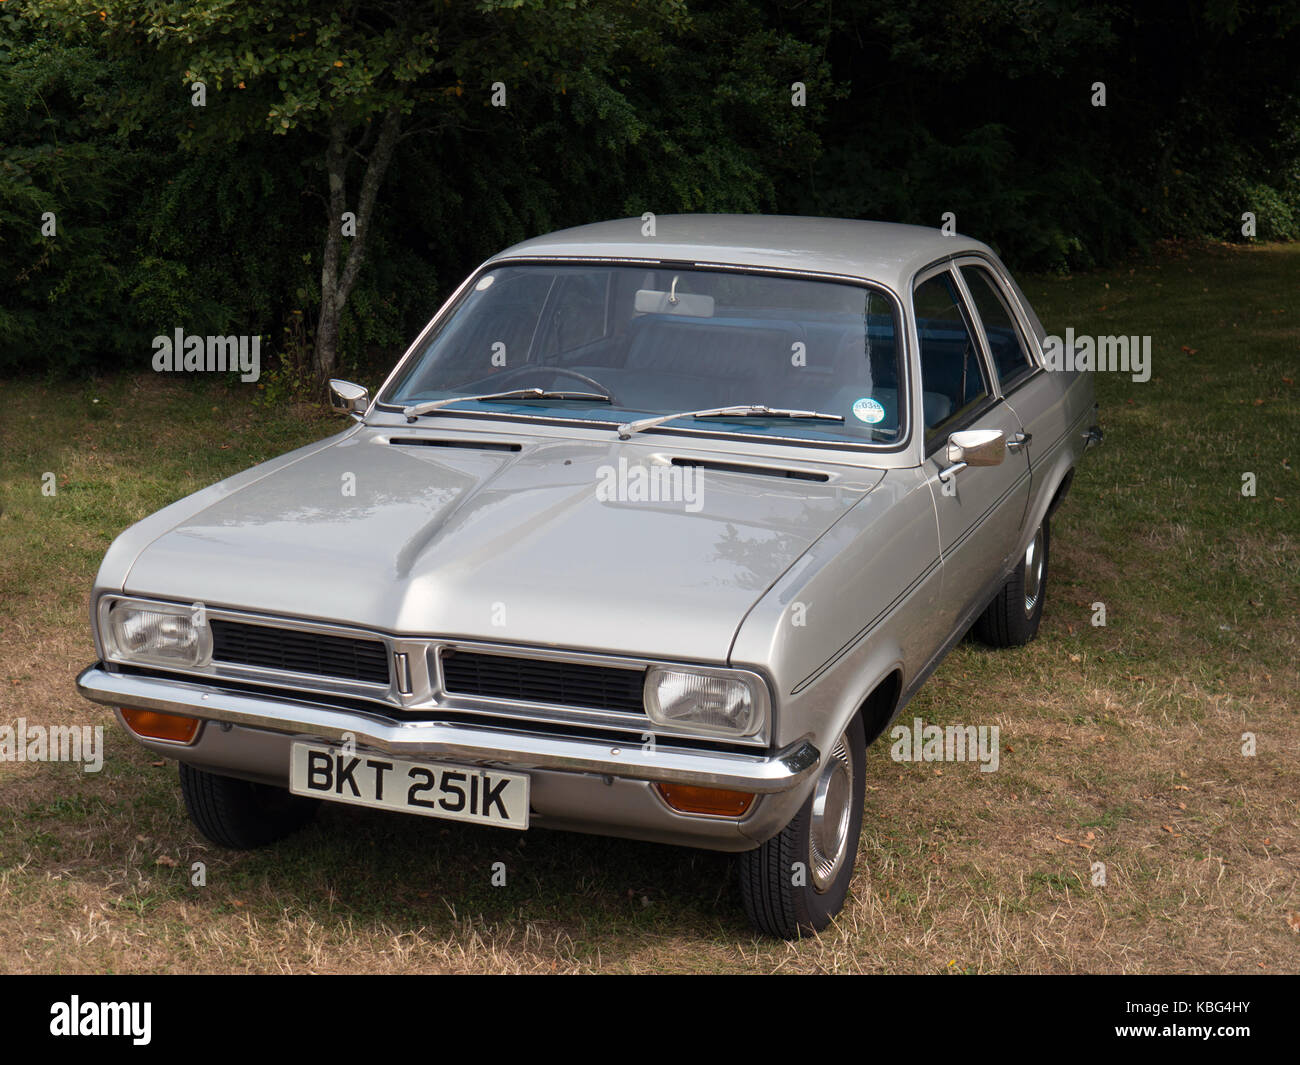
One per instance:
[(868, 410)]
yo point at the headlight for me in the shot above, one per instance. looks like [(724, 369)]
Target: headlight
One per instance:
[(160, 633), (709, 702)]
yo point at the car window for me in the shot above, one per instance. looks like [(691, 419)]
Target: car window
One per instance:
[(576, 314), (952, 374), (500, 334), (1035, 324), (1010, 358), (658, 339)]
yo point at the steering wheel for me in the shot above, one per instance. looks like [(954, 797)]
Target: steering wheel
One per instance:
[(565, 372)]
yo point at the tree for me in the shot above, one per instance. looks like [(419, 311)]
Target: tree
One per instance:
[(355, 80)]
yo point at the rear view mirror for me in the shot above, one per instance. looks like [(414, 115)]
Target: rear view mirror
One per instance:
[(978, 447), (656, 301), (347, 398)]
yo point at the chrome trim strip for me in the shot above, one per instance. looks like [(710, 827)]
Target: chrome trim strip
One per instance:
[(457, 743), (817, 673)]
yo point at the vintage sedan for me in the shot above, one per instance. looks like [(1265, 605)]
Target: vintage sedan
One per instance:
[(656, 526)]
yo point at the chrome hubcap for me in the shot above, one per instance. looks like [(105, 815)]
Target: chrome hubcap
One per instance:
[(1033, 572), (831, 809)]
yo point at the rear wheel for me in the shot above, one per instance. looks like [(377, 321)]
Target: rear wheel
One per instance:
[(797, 881), (239, 814), (1012, 618)]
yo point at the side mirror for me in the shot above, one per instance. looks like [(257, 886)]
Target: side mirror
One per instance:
[(978, 447), (347, 398)]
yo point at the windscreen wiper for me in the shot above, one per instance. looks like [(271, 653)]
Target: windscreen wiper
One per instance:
[(750, 411), (519, 393)]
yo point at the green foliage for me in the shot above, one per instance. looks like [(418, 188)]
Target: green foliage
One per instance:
[(1277, 211), (57, 287), (214, 218), (986, 110)]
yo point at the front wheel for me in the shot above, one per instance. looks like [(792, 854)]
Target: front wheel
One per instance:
[(797, 881), (1012, 618), (239, 814)]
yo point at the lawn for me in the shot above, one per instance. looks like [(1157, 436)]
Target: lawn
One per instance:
[(1121, 746)]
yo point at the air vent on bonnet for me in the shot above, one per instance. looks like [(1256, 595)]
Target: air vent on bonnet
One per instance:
[(757, 471), (469, 445)]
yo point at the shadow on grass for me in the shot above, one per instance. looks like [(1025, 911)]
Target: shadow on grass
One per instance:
[(413, 873)]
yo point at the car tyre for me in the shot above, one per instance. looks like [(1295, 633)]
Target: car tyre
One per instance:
[(240, 814), (1012, 618), (784, 900)]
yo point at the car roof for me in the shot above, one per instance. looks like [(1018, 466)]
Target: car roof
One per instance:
[(886, 252)]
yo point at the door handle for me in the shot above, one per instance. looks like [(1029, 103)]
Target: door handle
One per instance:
[(1018, 441)]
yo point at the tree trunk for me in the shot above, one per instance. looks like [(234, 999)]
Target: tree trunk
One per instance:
[(336, 285)]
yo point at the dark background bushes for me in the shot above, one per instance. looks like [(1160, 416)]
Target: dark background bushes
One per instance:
[(914, 109)]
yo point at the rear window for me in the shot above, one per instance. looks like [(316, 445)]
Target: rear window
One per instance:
[(1010, 358)]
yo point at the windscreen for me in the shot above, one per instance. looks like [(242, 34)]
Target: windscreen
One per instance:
[(642, 341)]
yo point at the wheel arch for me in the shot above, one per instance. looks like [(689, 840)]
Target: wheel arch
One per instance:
[(1062, 489), (1062, 477), (879, 707)]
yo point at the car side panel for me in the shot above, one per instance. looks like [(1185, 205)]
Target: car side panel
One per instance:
[(862, 602), (981, 513), (1059, 433)]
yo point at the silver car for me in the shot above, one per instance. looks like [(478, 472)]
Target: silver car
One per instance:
[(655, 527)]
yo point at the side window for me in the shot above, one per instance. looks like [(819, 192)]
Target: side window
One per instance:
[(1005, 345), (952, 374)]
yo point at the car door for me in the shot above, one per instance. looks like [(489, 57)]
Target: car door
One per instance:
[(980, 509), (1031, 392)]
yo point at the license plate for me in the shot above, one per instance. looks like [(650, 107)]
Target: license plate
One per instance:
[(457, 793)]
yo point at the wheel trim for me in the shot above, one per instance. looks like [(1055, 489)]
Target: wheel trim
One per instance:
[(1033, 572), (828, 834)]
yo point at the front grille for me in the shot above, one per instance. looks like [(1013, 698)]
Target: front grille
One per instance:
[(301, 652), (543, 680)]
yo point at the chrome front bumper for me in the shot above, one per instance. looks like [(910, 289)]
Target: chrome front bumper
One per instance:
[(442, 741)]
